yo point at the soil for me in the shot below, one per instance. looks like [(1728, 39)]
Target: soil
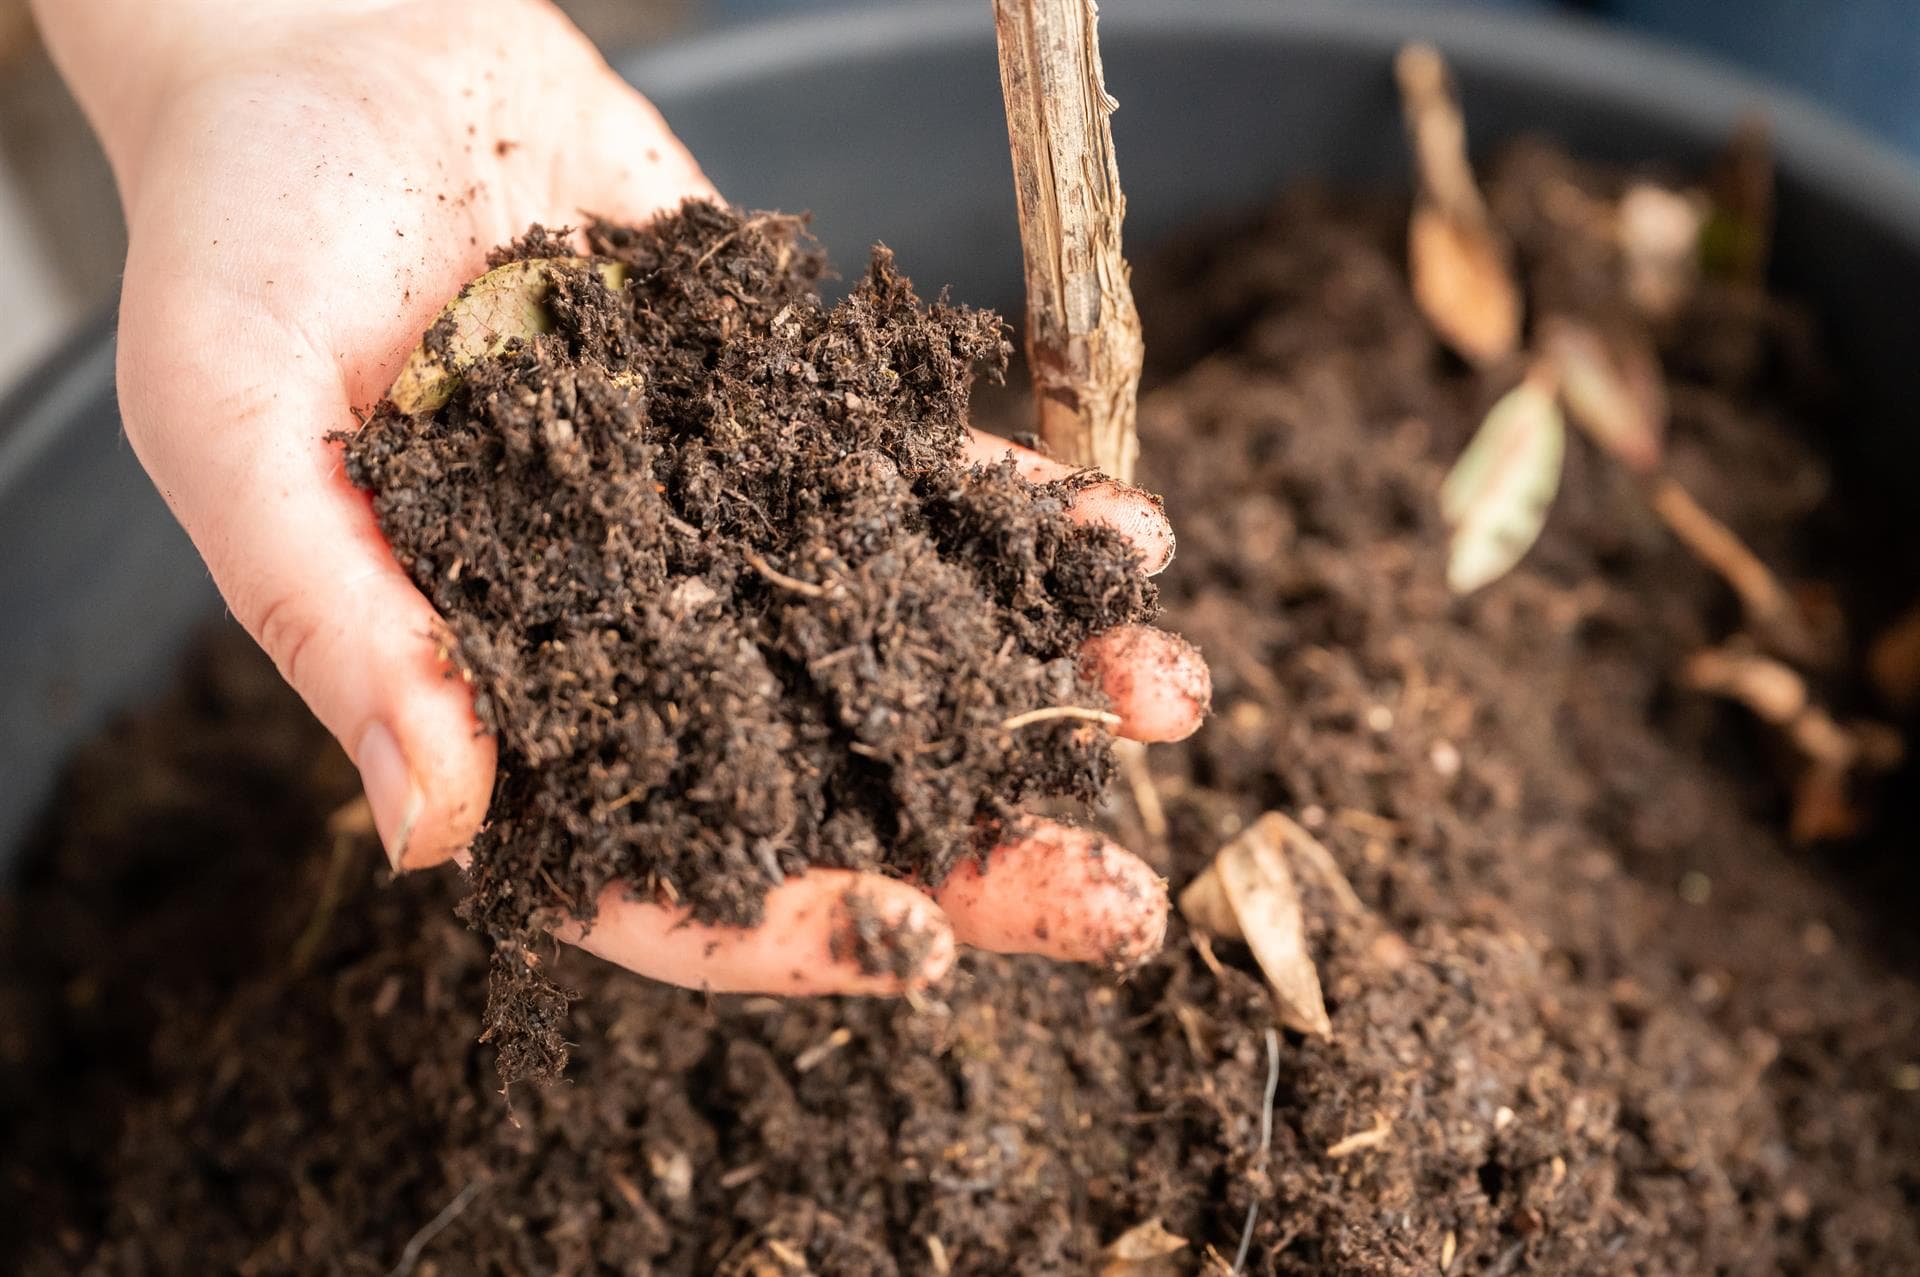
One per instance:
[(729, 595), (1593, 1013)]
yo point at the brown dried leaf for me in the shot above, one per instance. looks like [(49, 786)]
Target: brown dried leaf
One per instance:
[(1249, 894), (1464, 286), (1461, 269), (505, 305), (1497, 494), (1145, 1250), (1613, 388), (1893, 662)]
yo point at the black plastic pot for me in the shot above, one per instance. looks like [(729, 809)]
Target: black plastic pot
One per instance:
[(887, 125)]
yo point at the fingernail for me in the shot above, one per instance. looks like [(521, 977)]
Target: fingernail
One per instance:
[(390, 790)]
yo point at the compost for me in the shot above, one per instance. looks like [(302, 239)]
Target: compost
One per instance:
[(728, 592), (1591, 1011)]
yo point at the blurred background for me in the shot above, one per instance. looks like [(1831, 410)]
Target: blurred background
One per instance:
[(61, 242)]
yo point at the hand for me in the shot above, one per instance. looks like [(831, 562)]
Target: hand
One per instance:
[(305, 182)]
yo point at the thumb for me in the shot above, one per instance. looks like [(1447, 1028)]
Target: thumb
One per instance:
[(229, 411)]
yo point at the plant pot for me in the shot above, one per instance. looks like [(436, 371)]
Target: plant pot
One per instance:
[(887, 125)]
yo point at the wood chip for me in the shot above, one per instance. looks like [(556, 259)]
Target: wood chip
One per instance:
[(1497, 495), (505, 305), (1249, 894)]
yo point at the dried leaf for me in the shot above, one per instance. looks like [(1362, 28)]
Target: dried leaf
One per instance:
[(505, 305), (1612, 386), (1738, 235), (1145, 1250), (1461, 270), (1463, 285), (1249, 894), (1497, 494), (1893, 663)]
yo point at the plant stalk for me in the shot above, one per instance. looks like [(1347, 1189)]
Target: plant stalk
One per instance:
[(1083, 334)]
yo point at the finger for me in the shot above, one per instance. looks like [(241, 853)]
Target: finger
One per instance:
[(233, 435), (1062, 892), (1133, 512), (1157, 682), (829, 931)]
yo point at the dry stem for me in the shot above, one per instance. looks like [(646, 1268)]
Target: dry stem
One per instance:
[(1770, 609), (1083, 334)]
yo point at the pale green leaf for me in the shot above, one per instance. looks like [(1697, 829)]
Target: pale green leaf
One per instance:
[(1497, 495), (505, 305)]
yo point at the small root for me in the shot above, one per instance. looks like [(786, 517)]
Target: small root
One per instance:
[(1052, 712), (1770, 608), (1266, 1148), (1373, 1137), (781, 579), (410, 1255)]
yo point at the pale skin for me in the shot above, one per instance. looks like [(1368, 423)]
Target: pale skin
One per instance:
[(305, 182)]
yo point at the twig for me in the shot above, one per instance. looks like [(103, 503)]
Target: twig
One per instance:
[(1060, 711), (1770, 609), (1083, 333), (410, 1254), (781, 579), (1266, 1146)]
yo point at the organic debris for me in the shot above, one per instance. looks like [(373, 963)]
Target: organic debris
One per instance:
[(1145, 1250), (505, 307), (1893, 662), (1737, 240), (1612, 386), (1607, 373), (1249, 894), (1833, 753), (1461, 265), (1658, 233), (1498, 493)]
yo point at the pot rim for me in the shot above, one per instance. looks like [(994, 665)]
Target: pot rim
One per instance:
[(1694, 95)]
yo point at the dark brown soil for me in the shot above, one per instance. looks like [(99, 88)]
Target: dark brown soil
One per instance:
[(1594, 1015), (729, 594)]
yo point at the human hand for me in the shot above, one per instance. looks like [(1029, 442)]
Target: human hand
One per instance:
[(305, 182)]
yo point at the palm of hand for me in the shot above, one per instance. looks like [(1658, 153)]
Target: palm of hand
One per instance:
[(300, 209)]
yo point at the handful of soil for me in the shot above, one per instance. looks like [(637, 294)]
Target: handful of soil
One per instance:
[(728, 592)]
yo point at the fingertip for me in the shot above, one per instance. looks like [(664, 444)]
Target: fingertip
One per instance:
[(1134, 513), (1061, 892), (1155, 680)]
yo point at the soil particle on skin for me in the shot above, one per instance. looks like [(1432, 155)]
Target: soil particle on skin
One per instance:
[(879, 945), (1591, 1013), (729, 594)]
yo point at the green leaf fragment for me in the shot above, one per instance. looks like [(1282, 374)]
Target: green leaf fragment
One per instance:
[(1497, 495), (503, 306)]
